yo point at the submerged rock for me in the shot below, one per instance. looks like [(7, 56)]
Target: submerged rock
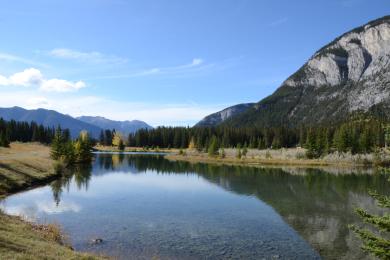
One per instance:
[(96, 241)]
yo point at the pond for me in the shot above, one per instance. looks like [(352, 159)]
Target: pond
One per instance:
[(143, 206)]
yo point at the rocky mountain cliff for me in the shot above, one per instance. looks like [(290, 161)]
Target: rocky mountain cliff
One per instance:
[(221, 116), (349, 75), (125, 127)]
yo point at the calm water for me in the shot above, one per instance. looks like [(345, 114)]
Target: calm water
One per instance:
[(144, 207)]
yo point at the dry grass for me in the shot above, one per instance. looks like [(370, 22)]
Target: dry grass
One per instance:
[(269, 157), (103, 148), (24, 165), (23, 240)]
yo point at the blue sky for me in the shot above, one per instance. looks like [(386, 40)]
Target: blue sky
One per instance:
[(165, 62)]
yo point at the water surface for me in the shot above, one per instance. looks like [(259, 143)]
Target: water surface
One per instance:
[(144, 207)]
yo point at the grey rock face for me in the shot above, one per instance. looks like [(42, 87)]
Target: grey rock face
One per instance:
[(221, 116), (351, 74), (360, 57)]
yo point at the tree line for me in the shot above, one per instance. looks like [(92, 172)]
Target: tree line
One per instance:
[(12, 130), (358, 135), (362, 135)]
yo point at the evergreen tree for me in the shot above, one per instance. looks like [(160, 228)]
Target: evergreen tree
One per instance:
[(213, 146), (377, 245), (4, 141), (311, 145), (108, 137), (101, 138), (57, 145), (121, 145)]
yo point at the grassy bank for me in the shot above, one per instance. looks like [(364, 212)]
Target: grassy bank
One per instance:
[(22, 240), (285, 157), (23, 166)]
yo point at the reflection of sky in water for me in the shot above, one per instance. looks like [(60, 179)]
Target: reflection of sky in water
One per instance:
[(166, 215)]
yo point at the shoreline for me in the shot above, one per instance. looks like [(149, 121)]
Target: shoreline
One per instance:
[(275, 158), (291, 157), (261, 163), (25, 166)]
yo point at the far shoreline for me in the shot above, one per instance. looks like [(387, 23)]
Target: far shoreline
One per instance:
[(292, 157)]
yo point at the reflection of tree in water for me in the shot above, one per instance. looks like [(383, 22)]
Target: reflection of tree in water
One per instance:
[(317, 204), (81, 174)]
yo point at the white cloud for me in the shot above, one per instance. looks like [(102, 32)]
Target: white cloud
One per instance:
[(26, 78), (33, 77), (94, 56), (60, 85)]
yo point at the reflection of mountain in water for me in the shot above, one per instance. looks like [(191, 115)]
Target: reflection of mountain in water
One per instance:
[(318, 205)]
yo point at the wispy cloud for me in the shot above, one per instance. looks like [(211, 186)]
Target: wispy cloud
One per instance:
[(14, 58), (197, 65), (33, 77), (194, 65), (278, 22), (90, 57)]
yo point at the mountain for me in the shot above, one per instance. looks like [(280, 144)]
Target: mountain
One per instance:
[(221, 116), (349, 75), (125, 127), (49, 118)]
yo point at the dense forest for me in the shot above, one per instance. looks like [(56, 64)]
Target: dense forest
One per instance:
[(11, 131), (358, 135)]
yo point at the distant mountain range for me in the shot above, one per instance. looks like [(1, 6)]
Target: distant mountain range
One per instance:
[(51, 118), (125, 127), (349, 75)]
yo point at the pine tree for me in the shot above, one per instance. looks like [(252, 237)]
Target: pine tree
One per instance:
[(57, 145), (101, 138), (121, 145), (311, 145), (4, 141), (377, 245), (387, 135), (213, 146)]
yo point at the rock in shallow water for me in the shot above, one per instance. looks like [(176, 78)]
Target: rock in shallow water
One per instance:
[(96, 241)]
